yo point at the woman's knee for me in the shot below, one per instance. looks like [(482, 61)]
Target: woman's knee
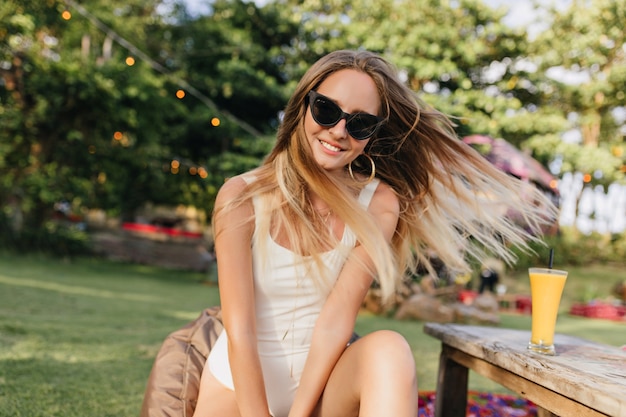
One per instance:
[(389, 341), (389, 352)]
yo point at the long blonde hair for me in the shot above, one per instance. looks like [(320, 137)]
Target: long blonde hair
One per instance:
[(453, 202)]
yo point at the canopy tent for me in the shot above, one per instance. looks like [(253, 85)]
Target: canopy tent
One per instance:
[(513, 161)]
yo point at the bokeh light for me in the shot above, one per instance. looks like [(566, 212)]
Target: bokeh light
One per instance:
[(554, 184)]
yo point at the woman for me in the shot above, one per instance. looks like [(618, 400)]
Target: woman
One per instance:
[(363, 182)]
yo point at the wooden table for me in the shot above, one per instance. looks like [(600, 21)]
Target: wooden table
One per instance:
[(583, 379)]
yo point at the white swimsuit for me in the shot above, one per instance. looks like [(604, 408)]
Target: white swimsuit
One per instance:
[(287, 306)]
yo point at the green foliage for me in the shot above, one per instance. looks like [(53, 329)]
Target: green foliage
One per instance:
[(234, 55), (587, 41), (54, 237), (571, 247), (79, 123), (462, 59), (459, 57)]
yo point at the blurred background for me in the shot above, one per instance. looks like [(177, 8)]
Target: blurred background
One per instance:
[(119, 120)]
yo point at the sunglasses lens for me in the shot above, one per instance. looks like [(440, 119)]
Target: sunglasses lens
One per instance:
[(362, 125), (325, 112)]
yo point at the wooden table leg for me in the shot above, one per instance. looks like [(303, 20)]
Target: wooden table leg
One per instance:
[(542, 412), (451, 399)]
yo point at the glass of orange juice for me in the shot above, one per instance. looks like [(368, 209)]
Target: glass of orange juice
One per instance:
[(546, 288)]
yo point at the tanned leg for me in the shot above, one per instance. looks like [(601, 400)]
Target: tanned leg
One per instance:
[(374, 377), (214, 399)]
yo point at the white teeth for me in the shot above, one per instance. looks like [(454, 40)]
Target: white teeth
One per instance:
[(329, 146)]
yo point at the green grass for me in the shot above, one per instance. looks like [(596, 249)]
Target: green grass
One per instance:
[(78, 338)]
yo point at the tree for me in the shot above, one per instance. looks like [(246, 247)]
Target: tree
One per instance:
[(582, 54), (110, 104), (461, 58), (106, 105), (79, 123), (233, 55), (458, 56)]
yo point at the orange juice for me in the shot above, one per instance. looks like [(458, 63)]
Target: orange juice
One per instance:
[(546, 287)]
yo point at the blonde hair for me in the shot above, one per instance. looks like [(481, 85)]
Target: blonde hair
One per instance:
[(453, 202)]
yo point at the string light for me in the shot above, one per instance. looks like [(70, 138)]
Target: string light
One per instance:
[(554, 184), (155, 65), (130, 60)]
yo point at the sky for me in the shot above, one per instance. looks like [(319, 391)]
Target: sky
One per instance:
[(521, 12)]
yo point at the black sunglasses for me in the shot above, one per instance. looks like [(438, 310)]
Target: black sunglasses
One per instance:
[(327, 113)]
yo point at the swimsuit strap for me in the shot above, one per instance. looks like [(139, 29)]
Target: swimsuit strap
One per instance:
[(365, 197)]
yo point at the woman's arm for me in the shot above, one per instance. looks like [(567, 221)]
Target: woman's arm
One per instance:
[(233, 241), (337, 319)]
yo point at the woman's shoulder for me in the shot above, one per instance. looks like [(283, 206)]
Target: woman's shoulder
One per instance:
[(385, 199), (232, 202), (384, 191), (235, 186), (232, 187)]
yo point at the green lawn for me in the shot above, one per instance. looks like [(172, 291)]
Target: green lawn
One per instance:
[(78, 338)]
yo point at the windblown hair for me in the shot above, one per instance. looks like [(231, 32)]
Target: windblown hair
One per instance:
[(453, 202)]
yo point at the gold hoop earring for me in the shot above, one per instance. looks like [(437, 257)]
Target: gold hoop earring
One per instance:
[(372, 174)]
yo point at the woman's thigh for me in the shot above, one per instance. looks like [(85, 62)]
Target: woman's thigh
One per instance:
[(374, 376), (214, 399)]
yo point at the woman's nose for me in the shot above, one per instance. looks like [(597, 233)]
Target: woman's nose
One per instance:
[(339, 130)]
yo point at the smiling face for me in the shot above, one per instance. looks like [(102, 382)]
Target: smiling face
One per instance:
[(353, 91)]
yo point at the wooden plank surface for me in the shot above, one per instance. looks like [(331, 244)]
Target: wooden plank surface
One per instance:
[(591, 373), (545, 398)]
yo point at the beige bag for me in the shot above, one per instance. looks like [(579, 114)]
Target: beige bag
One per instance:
[(174, 382)]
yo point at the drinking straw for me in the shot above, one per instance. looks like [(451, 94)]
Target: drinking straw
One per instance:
[(551, 258)]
